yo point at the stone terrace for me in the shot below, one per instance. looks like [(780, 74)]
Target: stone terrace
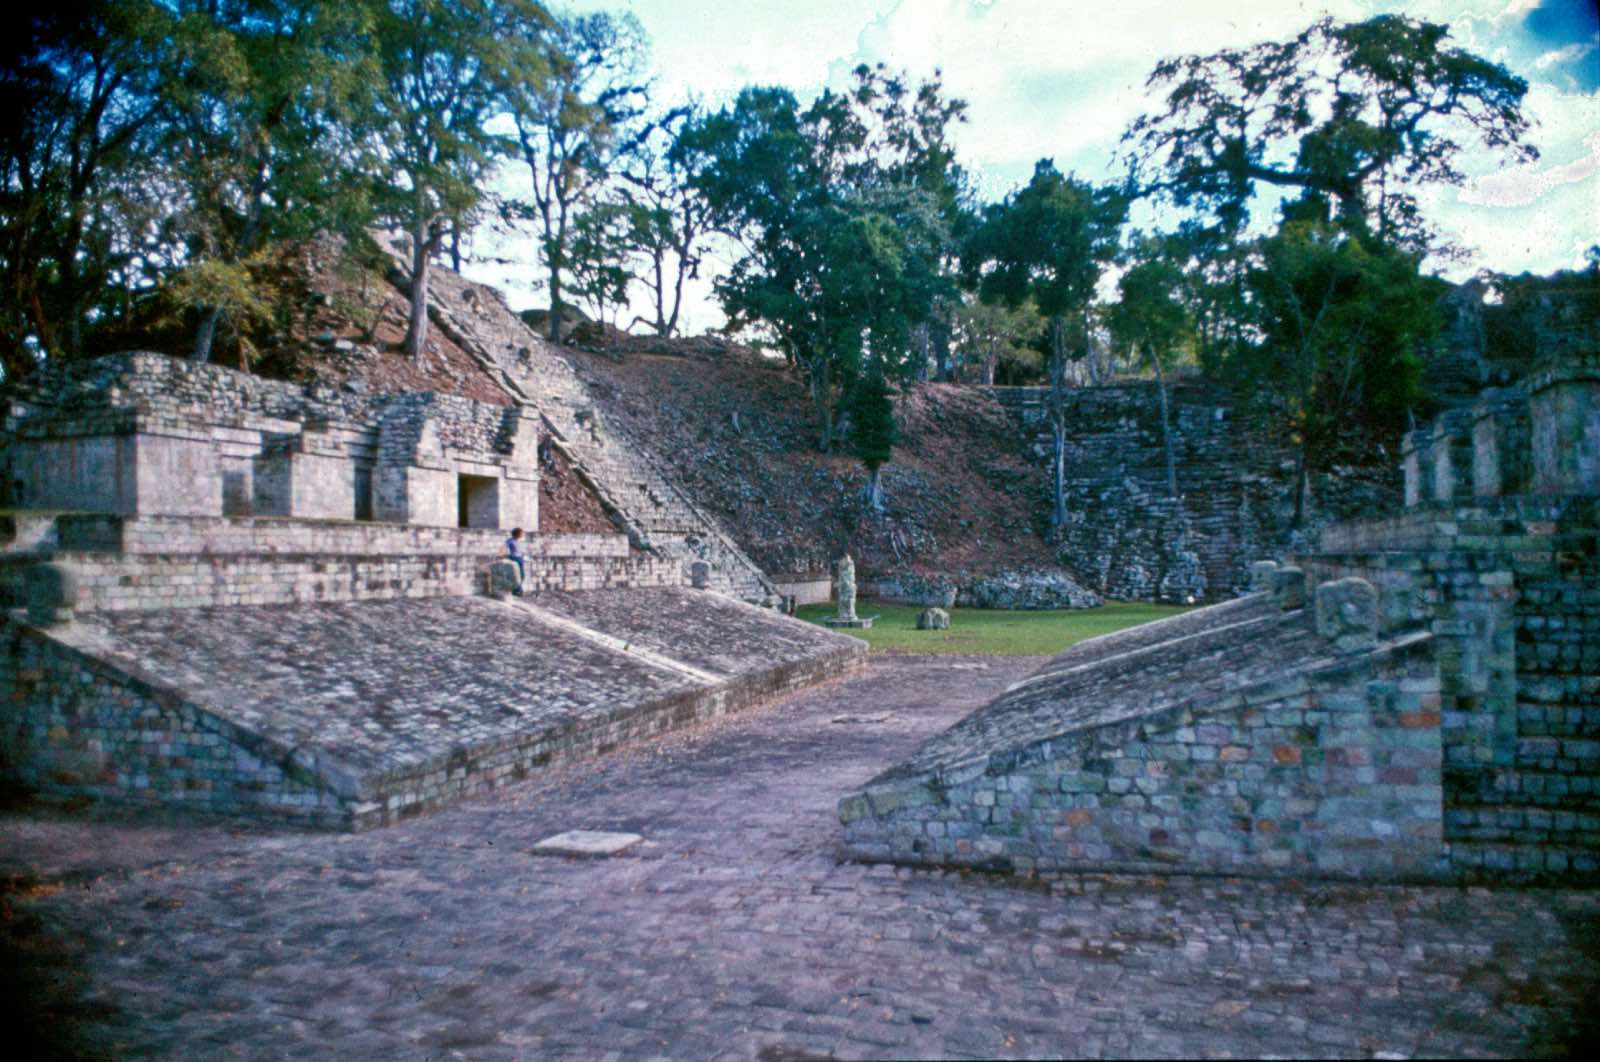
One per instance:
[(1234, 738), (355, 714), (732, 932)]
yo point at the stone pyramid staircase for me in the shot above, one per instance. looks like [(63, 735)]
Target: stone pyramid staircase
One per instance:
[(654, 512)]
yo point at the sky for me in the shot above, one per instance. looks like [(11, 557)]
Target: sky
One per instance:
[(1063, 79)]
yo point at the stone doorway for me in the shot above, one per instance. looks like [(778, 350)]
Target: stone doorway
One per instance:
[(477, 501)]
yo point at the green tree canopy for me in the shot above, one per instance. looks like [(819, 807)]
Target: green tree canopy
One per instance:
[(1341, 321), (1357, 114), (1047, 244), (571, 129), (840, 208), (448, 67)]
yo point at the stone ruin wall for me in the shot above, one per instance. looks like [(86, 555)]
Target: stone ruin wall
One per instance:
[(1496, 555), (145, 433), (1127, 539), (1459, 736)]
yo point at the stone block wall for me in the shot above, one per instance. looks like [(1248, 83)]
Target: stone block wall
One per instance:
[(140, 433), (75, 725), (1127, 538), (94, 532), (147, 581), (1509, 585), (1334, 772)]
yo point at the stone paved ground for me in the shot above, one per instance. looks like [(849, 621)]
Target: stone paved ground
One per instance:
[(733, 932)]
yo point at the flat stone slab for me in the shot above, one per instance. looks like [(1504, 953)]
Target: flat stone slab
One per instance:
[(860, 623), (591, 843)]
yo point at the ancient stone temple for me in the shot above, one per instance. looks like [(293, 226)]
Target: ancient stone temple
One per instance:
[(250, 597), (1417, 697)]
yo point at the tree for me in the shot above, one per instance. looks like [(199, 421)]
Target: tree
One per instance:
[(79, 107), (838, 209), (263, 107), (572, 126), (598, 245), (873, 432), (1046, 244), (447, 66), (668, 219), (1341, 323), (998, 339), (1151, 318), (1355, 114)]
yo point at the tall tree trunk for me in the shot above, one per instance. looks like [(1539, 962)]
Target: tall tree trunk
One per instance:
[(919, 344), (1300, 477), (875, 488), (821, 395), (1166, 427), (555, 303), (205, 334), (417, 332), (1058, 423), (455, 246)]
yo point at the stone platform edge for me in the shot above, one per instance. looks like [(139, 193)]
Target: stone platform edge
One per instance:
[(110, 733), (1053, 807)]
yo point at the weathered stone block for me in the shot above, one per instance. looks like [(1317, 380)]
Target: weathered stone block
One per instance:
[(1347, 614), (1289, 587), (503, 578), (52, 591), (933, 619)]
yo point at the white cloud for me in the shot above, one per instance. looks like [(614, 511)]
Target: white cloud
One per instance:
[(1522, 185)]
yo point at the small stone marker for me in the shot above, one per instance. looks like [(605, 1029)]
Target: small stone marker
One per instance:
[(502, 578), (1261, 575), (591, 843), (933, 619), (699, 575), (1289, 587)]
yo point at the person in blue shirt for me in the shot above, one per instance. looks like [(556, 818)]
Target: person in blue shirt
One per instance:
[(514, 551)]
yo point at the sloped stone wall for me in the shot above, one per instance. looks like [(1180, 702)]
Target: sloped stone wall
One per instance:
[(75, 725), (1333, 772)]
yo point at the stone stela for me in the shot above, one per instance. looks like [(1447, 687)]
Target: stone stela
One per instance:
[(845, 589)]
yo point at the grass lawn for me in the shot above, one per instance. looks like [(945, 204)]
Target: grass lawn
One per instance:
[(991, 632)]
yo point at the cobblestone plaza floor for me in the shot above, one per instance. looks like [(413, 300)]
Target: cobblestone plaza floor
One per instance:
[(732, 931)]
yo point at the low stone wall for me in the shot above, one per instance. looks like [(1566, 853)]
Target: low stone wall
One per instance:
[(198, 710), (113, 583), (464, 772), (805, 589), (1510, 589), (267, 535)]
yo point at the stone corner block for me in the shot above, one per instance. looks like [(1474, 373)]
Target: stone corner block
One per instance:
[(52, 594), (1347, 614), (1289, 587), (1261, 575), (502, 578)]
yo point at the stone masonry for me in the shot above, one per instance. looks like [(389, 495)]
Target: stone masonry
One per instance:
[(1127, 539), (1419, 697), (357, 714)]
